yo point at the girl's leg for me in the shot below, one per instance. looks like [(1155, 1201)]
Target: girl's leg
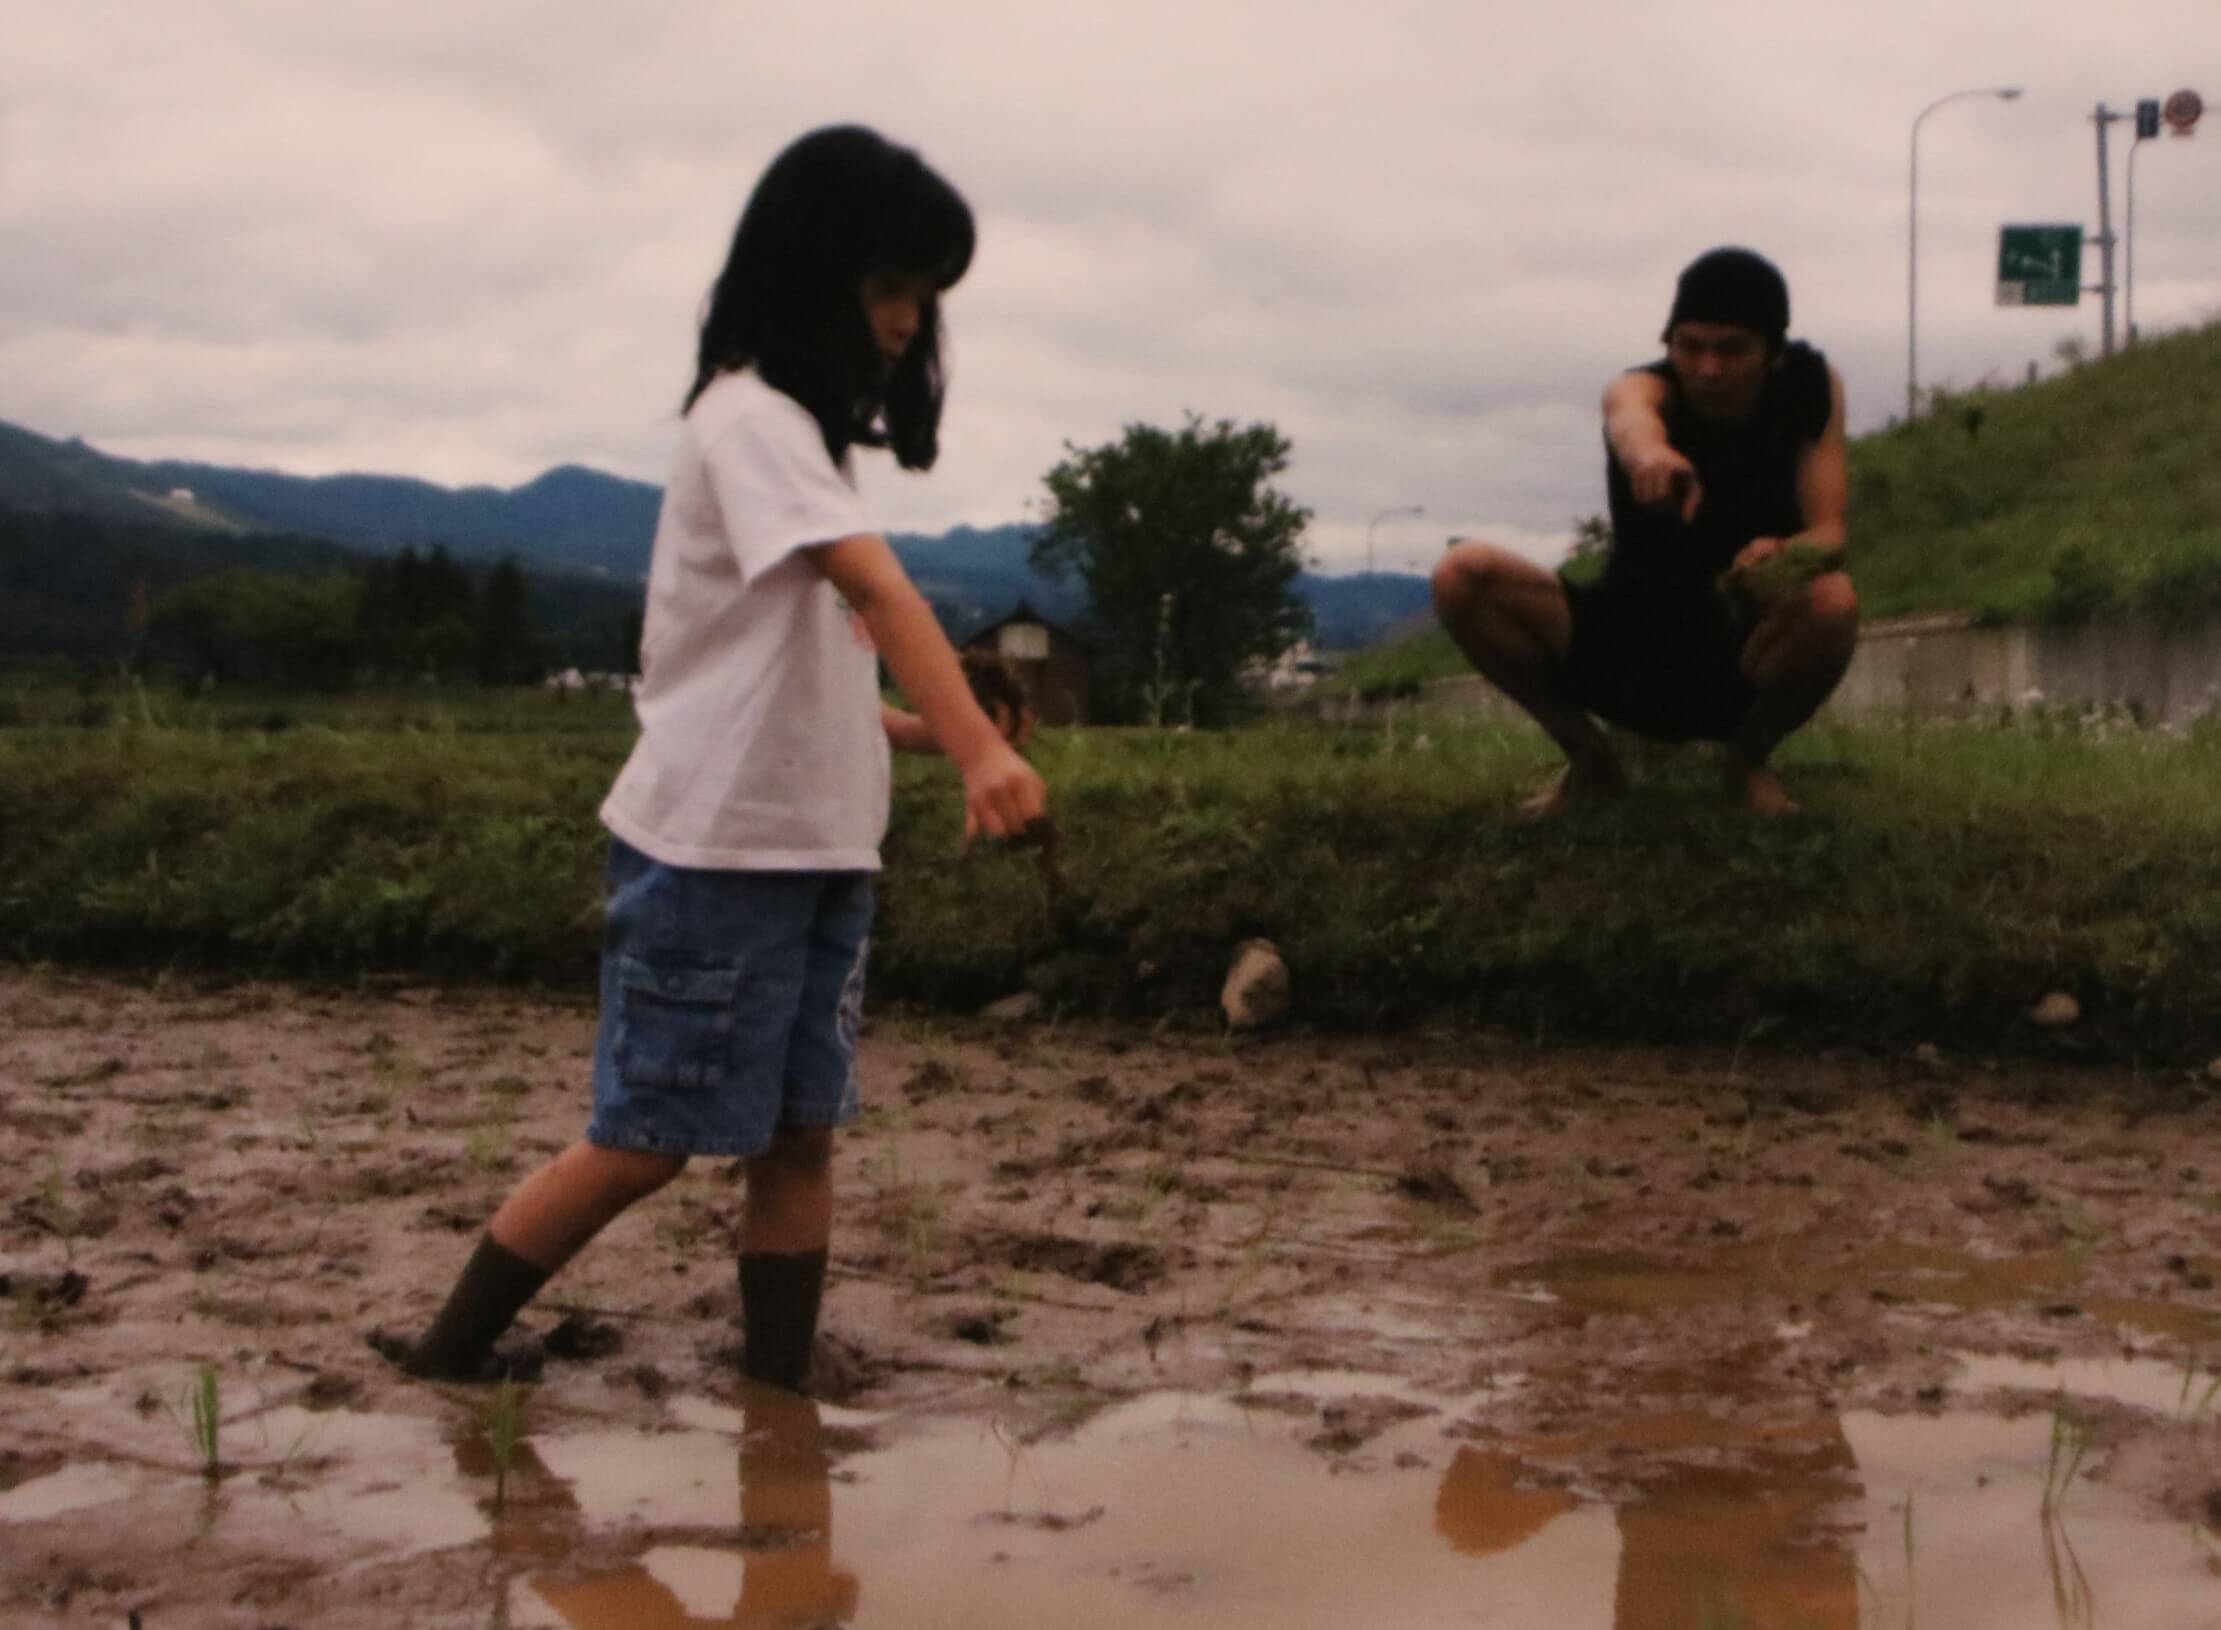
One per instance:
[(556, 1210), (541, 1226), (787, 1226)]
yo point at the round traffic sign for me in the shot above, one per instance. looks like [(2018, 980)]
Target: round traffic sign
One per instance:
[(2182, 111)]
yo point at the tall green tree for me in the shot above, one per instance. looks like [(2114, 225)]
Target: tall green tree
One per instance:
[(271, 628), (506, 652), (1189, 556)]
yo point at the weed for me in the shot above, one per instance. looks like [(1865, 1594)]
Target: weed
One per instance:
[(2070, 1441), (504, 1431), (50, 1209), (203, 1416), (2085, 1234), (2197, 1411)]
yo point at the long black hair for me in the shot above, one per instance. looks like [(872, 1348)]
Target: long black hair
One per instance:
[(838, 205)]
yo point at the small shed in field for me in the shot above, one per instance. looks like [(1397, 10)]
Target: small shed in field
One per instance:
[(1053, 663)]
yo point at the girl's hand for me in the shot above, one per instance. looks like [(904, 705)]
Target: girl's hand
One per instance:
[(1003, 796)]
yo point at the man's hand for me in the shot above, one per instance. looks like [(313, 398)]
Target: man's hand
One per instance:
[(1663, 479), (1768, 571), (1755, 554), (1003, 796)]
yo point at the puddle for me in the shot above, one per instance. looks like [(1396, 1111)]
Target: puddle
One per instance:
[(73, 1488), (1982, 1553), (2140, 1383), (1806, 1267), (1180, 1509), (348, 1486), (1185, 1510)]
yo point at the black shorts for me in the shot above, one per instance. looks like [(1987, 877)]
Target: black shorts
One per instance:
[(1662, 661)]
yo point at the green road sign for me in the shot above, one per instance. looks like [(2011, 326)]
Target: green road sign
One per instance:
[(2039, 265)]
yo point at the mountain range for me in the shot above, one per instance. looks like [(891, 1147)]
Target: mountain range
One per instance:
[(569, 520)]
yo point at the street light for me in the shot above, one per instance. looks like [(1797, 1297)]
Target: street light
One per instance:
[(1400, 509), (2004, 93)]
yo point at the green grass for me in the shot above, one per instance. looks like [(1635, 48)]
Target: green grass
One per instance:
[(1945, 880), (32, 698), (1388, 672), (2092, 491)]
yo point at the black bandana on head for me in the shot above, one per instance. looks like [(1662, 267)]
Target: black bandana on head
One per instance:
[(1737, 286)]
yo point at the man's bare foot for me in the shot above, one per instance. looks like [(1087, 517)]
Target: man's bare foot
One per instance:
[(1576, 784), (1760, 791)]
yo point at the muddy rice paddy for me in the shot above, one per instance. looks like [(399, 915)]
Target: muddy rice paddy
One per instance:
[(1125, 1329)]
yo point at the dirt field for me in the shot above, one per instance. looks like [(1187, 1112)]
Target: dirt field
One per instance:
[(1124, 1329)]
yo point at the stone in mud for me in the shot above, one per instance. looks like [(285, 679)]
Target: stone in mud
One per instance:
[(985, 1329), (2056, 1011), (1256, 994), (579, 1339), (1434, 1184), (329, 1389), (1013, 1009), (44, 1292)]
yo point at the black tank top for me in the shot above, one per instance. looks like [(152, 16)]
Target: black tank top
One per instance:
[(1749, 473)]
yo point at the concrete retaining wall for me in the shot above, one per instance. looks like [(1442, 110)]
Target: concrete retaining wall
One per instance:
[(1939, 666), (2171, 675)]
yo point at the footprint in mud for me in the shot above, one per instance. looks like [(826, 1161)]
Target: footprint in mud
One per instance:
[(1121, 1265)]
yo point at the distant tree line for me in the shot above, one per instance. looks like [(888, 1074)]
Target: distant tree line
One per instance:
[(407, 617), (293, 612)]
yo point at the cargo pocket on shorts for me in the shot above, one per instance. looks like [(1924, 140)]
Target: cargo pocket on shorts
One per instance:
[(675, 1022)]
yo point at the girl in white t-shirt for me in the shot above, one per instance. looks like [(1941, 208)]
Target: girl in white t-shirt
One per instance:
[(745, 827)]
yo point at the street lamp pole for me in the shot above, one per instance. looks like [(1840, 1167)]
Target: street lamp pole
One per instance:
[(2129, 323), (2004, 93), (1399, 509)]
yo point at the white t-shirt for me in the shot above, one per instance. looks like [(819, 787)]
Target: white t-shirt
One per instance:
[(761, 746)]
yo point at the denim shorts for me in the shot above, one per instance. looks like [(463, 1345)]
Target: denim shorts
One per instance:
[(729, 1005)]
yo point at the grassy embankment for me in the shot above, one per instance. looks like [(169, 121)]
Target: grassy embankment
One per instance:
[(1945, 880)]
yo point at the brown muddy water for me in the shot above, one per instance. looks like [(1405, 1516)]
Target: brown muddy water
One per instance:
[(1176, 1508), (1123, 1331)]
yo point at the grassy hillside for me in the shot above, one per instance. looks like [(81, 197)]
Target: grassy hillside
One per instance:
[(2095, 491)]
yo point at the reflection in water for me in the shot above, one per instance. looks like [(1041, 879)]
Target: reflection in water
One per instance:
[(1736, 1532), (1745, 1543), (780, 1570), (1817, 1264), (1483, 1510)]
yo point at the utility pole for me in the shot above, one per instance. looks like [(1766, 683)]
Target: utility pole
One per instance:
[(2103, 118)]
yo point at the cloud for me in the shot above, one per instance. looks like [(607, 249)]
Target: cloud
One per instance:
[(466, 242)]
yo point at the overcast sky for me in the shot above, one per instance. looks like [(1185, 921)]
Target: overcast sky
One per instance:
[(469, 239)]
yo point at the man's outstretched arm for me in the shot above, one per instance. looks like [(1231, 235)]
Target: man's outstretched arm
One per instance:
[(1635, 430)]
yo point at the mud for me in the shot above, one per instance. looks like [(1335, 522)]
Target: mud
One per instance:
[(1123, 1330)]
